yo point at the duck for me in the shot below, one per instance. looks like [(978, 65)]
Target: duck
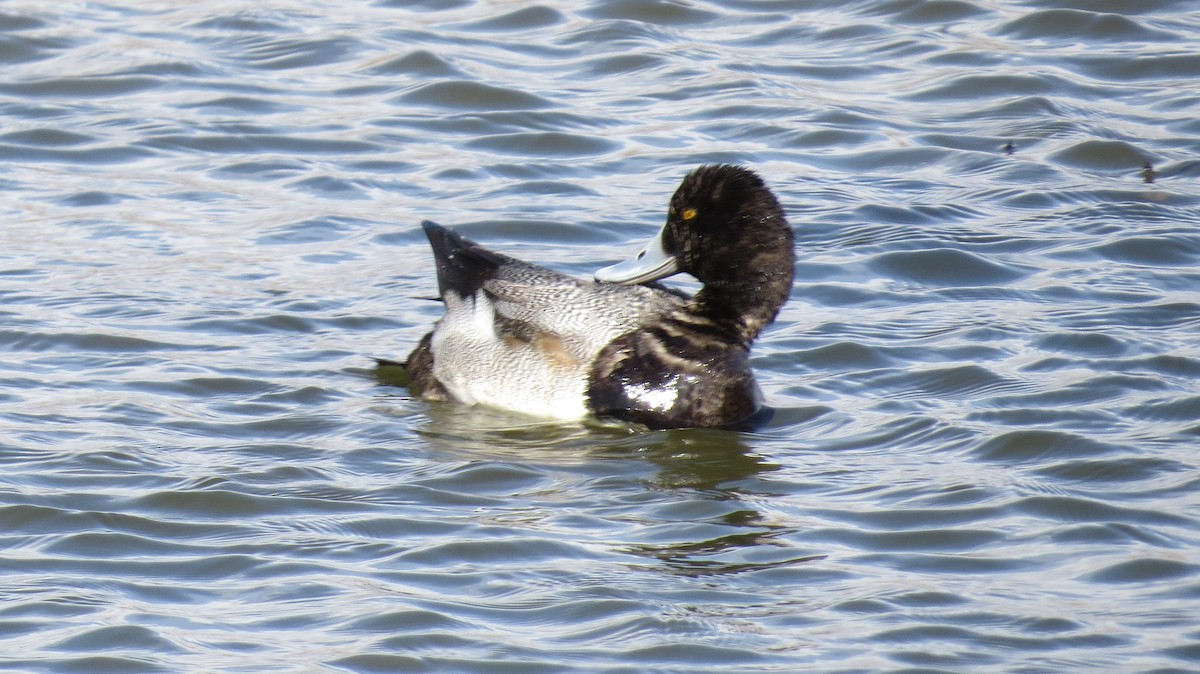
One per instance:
[(621, 346)]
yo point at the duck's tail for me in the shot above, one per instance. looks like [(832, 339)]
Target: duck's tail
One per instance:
[(416, 373), (462, 264), (391, 372)]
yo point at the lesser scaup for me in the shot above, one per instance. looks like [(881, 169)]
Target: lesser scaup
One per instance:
[(520, 337)]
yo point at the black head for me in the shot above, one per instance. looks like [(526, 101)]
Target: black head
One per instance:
[(726, 228), (725, 225)]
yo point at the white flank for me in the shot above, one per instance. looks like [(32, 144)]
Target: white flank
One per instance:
[(486, 369)]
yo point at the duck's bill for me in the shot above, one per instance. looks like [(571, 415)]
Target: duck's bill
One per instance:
[(651, 264)]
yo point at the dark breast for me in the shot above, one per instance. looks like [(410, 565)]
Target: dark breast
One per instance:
[(673, 375)]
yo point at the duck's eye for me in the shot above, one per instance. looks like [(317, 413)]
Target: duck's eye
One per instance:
[(689, 214)]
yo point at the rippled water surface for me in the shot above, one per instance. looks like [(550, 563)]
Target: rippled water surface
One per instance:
[(987, 381)]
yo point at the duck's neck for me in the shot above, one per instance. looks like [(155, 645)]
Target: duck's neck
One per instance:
[(745, 306)]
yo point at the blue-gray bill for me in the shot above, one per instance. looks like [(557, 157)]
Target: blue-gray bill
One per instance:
[(650, 264)]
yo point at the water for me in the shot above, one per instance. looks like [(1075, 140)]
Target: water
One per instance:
[(986, 382)]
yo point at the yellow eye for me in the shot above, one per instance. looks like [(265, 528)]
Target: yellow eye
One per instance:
[(689, 214)]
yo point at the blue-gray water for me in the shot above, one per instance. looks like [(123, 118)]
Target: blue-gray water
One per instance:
[(987, 381)]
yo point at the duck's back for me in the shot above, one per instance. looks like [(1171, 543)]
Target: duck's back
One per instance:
[(518, 336)]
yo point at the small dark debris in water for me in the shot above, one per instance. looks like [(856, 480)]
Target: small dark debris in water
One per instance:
[(1148, 172), (1009, 148)]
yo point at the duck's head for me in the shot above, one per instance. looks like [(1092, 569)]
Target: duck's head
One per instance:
[(724, 227)]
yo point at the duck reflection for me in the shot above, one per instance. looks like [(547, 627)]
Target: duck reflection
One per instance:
[(704, 459), (706, 521), (718, 471)]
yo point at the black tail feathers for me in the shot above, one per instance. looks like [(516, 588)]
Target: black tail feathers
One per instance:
[(462, 265)]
